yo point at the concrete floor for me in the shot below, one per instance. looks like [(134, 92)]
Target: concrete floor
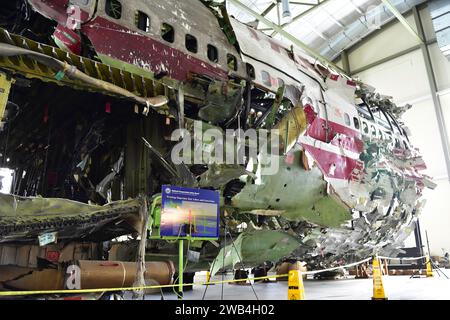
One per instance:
[(396, 288)]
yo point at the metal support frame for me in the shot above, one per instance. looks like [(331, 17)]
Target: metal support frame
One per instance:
[(420, 38), (278, 13), (391, 57), (268, 9), (375, 33), (433, 86), (285, 34), (180, 268), (181, 108), (154, 226), (296, 18), (300, 3), (345, 61), (418, 238)]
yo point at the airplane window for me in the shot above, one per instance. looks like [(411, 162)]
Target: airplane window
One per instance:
[(113, 8), (381, 134), (397, 143), (191, 43), (232, 62), (347, 119), (251, 71), (365, 128), (280, 82), (356, 122), (213, 53), (167, 32), (142, 21), (266, 78), (374, 131)]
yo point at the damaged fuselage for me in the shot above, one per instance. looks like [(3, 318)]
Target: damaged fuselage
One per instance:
[(348, 181)]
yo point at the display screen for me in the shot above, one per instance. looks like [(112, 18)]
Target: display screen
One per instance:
[(189, 212)]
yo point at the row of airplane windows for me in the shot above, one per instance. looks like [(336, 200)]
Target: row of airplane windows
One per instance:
[(113, 9), (372, 131)]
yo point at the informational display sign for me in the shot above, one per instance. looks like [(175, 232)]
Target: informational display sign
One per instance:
[(189, 212)]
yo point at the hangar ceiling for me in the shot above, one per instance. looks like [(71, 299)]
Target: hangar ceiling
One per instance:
[(326, 26)]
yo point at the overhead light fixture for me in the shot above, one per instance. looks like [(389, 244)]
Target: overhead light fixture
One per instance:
[(286, 9)]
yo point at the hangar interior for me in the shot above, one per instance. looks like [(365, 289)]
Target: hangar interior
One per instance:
[(88, 152), (367, 41)]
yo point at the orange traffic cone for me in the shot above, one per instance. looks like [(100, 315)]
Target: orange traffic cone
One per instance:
[(378, 289), (429, 269), (296, 291)]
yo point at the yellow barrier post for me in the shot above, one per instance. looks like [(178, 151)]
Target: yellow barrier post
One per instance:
[(296, 291), (429, 269), (378, 289), (208, 279)]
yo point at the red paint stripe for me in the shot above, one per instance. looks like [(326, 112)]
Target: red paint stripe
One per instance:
[(275, 46), (109, 39), (350, 139), (344, 166), (72, 298), (253, 32), (339, 128), (108, 107), (334, 77)]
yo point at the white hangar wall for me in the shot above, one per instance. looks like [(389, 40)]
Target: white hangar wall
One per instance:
[(392, 61)]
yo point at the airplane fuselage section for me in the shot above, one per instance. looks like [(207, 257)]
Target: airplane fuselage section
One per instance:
[(350, 161)]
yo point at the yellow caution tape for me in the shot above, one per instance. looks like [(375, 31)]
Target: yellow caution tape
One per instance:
[(47, 292)]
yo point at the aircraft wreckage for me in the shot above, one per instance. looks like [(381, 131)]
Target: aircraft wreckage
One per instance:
[(91, 92)]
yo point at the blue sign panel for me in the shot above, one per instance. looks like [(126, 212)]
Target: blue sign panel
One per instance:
[(189, 212)]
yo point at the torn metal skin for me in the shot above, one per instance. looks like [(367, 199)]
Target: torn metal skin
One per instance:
[(23, 219), (349, 184), (248, 249)]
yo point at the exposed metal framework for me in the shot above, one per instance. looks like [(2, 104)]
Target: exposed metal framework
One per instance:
[(269, 8), (287, 35), (433, 86), (297, 17), (403, 21), (389, 58), (345, 62), (327, 26)]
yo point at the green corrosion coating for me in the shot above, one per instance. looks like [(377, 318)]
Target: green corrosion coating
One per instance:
[(22, 217), (254, 248), (295, 194)]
